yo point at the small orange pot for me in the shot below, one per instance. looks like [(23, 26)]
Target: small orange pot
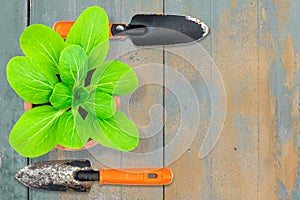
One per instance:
[(90, 143)]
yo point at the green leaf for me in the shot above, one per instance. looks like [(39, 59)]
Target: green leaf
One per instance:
[(68, 136), (102, 104), (61, 97), (30, 80), (71, 65), (80, 95), (98, 55), (117, 132), (115, 78), (95, 131), (43, 44), (90, 29), (34, 134)]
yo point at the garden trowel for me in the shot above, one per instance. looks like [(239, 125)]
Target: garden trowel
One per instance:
[(78, 175), (152, 29)]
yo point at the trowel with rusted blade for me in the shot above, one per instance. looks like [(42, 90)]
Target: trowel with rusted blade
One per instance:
[(78, 175), (152, 29)]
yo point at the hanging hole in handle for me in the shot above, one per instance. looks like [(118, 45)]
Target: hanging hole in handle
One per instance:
[(152, 175)]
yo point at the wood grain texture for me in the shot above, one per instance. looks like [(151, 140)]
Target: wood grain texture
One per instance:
[(256, 46), (234, 43), (48, 12), (13, 19), (230, 170), (279, 99), (191, 175)]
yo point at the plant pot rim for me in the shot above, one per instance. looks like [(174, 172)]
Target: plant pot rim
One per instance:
[(91, 143)]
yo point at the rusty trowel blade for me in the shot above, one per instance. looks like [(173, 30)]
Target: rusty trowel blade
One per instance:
[(58, 175)]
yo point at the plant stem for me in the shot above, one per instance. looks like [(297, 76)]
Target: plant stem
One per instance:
[(91, 88)]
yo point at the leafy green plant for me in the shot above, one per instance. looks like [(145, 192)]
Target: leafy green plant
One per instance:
[(53, 73)]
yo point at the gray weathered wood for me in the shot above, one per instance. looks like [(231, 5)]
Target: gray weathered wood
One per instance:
[(255, 44), (234, 160), (189, 170), (48, 12), (13, 19), (279, 50), (232, 164)]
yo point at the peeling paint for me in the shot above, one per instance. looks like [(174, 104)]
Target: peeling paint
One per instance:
[(234, 48), (288, 61), (263, 101), (278, 101)]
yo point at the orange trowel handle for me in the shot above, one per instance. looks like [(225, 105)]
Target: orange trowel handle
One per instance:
[(133, 176), (63, 28)]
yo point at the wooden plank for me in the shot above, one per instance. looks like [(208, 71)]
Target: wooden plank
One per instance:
[(279, 49), (234, 162), (47, 12), (189, 171), (257, 156), (230, 170), (144, 110), (13, 19)]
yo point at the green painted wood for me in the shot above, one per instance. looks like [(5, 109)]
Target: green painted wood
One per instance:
[(48, 12), (230, 170), (279, 99), (255, 44), (258, 156), (143, 110), (190, 178), (234, 162), (13, 19)]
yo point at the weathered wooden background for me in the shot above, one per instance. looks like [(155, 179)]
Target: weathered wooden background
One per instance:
[(255, 44)]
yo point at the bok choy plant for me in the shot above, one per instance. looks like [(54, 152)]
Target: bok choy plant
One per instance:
[(72, 109)]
